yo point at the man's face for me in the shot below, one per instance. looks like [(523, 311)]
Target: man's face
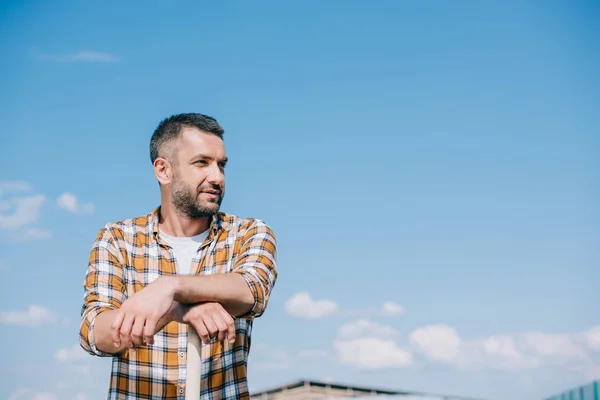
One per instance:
[(198, 183)]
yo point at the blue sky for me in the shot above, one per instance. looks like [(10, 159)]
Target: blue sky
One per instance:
[(430, 170)]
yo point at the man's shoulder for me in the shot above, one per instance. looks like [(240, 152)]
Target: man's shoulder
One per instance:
[(132, 226), (231, 221), (234, 223)]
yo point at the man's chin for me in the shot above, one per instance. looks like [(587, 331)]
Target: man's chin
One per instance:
[(210, 207)]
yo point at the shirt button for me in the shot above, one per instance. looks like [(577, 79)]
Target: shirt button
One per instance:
[(180, 390), (181, 354)]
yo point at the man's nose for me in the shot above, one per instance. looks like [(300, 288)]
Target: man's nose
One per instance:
[(215, 175)]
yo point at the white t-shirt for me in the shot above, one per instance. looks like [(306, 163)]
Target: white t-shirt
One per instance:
[(184, 249)]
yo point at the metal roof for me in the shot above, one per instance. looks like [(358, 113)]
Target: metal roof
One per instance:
[(307, 383), (358, 392)]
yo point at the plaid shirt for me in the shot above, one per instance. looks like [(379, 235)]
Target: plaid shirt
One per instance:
[(128, 255)]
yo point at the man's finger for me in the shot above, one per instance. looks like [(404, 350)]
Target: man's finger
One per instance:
[(125, 331), (221, 326), (230, 326), (201, 330), (116, 328), (210, 324), (137, 331), (149, 331)]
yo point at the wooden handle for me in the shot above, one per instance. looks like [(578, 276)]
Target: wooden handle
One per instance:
[(192, 384)]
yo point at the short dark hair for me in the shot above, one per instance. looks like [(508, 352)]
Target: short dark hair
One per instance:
[(171, 127)]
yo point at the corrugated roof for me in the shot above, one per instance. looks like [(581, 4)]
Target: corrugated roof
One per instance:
[(369, 393), (305, 383)]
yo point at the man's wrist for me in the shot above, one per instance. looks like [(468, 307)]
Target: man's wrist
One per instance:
[(185, 289), (173, 286)]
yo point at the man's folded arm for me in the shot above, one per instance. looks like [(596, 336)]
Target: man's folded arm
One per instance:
[(104, 292), (245, 292)]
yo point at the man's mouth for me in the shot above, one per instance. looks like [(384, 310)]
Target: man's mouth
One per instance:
[(212, 193)]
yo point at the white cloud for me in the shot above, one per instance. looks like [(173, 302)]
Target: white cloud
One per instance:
[(592, 336), (503, 346), (551, 345), (438, 342), (365, 328), (80, 396), (510, 352), (302, 305), (14, 186), (70, 203), (20, 394), (34, 316), (80, 56), (25, 210), (372, 353), (368, 345), (19, 209), (387, 309), (73, 353), (74, 356), (391, 309), (497, 352)]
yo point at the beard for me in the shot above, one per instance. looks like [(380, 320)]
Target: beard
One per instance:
[(187, 202)]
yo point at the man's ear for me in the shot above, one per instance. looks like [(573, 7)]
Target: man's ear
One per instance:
[(163, 171)]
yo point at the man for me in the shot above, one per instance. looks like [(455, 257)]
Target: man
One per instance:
[(185, 264)]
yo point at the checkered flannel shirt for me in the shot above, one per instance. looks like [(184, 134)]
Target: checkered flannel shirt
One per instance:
[(128, 255)]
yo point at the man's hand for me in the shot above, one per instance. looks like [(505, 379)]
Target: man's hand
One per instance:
[(210, 320), (137, 320)]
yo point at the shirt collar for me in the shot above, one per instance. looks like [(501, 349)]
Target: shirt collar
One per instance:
[(215, 225)]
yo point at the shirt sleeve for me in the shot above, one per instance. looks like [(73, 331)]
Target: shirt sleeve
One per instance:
[(104, 287), (257, 263)]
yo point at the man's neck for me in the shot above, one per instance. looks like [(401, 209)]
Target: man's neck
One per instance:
[(175, 224)]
